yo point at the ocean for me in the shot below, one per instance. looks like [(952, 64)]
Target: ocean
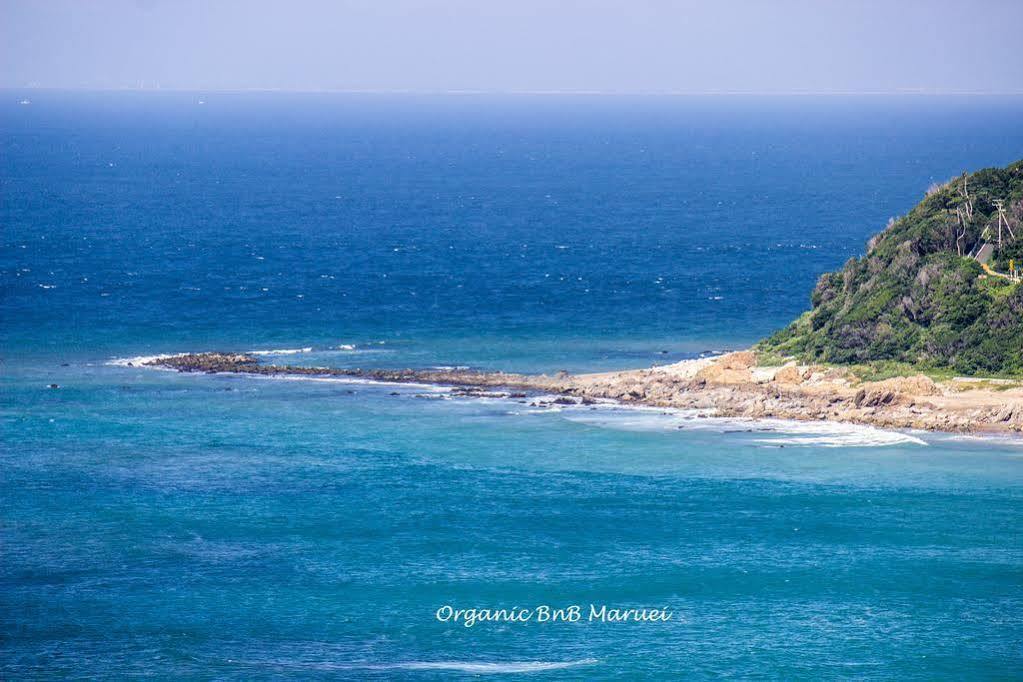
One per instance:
[(231, 527)]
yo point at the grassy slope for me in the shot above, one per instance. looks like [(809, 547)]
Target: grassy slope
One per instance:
[(913, 301)]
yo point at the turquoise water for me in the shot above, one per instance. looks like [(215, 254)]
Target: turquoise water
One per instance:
[(231, 527)]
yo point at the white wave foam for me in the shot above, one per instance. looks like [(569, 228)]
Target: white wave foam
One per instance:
[(481, 668), (282, 351), (839, 435), (353, 348), (473, 667), (139, 360), (395, 385), (1012, 440), (790, 432)]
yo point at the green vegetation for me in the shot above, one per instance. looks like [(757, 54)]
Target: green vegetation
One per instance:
[(886, 369), (916, 300)]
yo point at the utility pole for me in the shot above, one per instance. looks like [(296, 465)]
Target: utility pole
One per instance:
[(1000, 205)]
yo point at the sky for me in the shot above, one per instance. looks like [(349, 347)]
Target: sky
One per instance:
[(607, 46)]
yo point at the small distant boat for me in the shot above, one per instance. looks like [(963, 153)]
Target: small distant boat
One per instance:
[(25, 101)]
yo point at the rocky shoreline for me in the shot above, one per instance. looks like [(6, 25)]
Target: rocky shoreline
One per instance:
[(732, 385)]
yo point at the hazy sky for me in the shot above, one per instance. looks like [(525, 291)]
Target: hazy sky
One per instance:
[(516, 45)]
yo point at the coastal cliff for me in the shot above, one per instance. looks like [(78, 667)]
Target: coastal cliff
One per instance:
[(938, 290)]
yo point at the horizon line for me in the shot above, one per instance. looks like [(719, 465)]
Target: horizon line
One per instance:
[(909, 92)]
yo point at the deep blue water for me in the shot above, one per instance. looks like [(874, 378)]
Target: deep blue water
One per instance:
[(230, 527)]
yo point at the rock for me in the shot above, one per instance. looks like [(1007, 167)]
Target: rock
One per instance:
[(756, 410), (743, 359), (1011, 414), (918, 384), (875, 397), (208, 362), (895, 391), (731, 385), (790, 374), (718, 374)]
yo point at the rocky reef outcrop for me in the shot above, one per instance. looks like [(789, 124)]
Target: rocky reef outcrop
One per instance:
[(730, 385)]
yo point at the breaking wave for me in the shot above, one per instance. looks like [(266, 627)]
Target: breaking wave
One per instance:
[(772, 432), (139, 360), (282, 351)]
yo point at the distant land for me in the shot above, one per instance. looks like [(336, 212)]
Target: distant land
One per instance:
[(938, 293)]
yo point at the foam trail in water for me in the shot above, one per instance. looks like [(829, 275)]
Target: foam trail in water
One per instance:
[(494, 668), (838, 435), (139, 360), (282, 351), (350, 348), (473, 667), (396, 386), (1012, 440), (790, 432)]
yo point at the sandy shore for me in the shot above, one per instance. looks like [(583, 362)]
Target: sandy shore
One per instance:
[(731, 385)]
